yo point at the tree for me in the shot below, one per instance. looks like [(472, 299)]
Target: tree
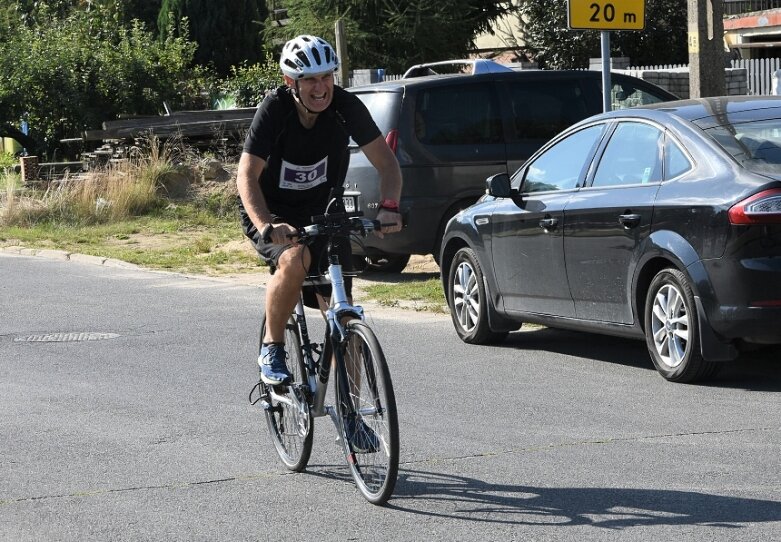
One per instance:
[(392, 35), (553, 45), (228, 33), (86, 68), (145, 11), (42, 12)]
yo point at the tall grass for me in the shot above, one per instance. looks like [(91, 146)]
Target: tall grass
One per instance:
[(132, 187), (8, 184)]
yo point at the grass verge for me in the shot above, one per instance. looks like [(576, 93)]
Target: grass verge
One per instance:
[(159, 216), (425, 295)]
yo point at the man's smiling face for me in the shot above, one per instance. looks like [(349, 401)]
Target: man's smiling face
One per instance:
[(315, 92)]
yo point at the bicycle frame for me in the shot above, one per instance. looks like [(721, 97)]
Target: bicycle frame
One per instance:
[(364, 406), (318, 370)]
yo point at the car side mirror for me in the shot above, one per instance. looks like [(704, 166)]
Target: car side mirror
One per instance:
[(498, 186)]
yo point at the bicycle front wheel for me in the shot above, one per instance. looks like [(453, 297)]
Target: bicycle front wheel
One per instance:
[(366, 408), (290, 421)]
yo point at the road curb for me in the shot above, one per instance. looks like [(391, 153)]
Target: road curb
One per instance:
[(63, 255), (408, 307)]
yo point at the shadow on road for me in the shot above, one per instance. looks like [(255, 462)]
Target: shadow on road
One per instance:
[(755, 371), (469, 499)]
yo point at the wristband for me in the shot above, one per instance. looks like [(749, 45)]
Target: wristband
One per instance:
[(390, 205), (265, 234)]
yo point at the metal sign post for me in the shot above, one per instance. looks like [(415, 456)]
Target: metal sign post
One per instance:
[(606, 15), (604, 41)]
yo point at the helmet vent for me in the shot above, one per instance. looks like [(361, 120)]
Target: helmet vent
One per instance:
[(304, 60)]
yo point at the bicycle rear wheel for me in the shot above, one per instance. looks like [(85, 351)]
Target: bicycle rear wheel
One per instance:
[(366, 408), (290, 426)]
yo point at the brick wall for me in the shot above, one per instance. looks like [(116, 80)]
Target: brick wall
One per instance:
[(676, 80)]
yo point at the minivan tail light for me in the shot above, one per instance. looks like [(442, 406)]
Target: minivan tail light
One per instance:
[(761, 208), (392, 139)]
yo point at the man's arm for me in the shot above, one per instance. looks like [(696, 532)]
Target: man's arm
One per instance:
[(384, 161), (250, 168)]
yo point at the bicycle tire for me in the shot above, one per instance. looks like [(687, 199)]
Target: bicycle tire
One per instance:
[(364, 389), (291, 431)]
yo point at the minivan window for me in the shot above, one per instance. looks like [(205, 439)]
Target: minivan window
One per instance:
[(625, 94), (383, 107), (458, 115), (542, 109)]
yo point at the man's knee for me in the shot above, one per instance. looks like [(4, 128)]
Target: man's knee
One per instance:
[(294, 261)]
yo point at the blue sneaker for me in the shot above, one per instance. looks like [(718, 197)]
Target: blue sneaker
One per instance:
[(361, 437), (273, 370)]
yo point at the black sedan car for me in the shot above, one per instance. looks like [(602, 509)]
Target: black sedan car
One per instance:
[(661, 223)]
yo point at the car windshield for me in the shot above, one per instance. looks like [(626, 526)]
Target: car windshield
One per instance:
[(383, 107), (755, 145)]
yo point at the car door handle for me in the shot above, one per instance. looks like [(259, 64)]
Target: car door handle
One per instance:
[(629, 220), (549, 223)]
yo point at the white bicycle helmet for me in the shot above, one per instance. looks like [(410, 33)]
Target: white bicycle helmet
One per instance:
[(306, 55)]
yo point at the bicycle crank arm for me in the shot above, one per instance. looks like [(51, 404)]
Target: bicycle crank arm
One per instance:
[(281, 398)]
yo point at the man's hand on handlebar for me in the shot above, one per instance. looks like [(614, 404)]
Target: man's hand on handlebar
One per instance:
[(390, 221), (278, 234)]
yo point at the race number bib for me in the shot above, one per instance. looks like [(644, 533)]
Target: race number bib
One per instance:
[(293, 177)]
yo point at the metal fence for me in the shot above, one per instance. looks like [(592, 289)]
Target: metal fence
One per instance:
[(737, 7), (760, 73)]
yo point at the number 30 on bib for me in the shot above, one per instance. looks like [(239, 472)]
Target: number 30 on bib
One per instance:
[(295, 177)]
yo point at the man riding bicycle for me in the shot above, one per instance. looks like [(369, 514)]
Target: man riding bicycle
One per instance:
[(295, 152)]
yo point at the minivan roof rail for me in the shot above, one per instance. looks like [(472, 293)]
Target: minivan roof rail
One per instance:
[(475, 66)]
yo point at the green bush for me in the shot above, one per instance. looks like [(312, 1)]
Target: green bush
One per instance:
[(66, 75), (7, 160), (247, 84)]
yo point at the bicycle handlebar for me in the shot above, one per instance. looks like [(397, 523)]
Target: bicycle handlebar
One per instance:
[(337, 224), (331, 225)]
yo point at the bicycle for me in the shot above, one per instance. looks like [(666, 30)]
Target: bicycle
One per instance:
[(365, 404)]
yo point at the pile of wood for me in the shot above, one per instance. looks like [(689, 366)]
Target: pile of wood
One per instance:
[(191, 125), (222, 130)]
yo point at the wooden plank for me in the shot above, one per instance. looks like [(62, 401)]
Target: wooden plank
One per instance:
[(182, 117), (192, 129)]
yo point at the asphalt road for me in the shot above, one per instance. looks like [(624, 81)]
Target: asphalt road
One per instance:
[(124, 416)]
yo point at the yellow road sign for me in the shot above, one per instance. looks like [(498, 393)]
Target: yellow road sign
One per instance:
[(606, 14)]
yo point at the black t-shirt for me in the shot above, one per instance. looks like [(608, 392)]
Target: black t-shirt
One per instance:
[(302, 165)]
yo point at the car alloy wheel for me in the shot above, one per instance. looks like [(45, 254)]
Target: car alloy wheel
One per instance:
[(672, 329), (466, 296), (670, 325), (468, 301)]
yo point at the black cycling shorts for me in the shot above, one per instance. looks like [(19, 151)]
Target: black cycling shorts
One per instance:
[(319, 265)]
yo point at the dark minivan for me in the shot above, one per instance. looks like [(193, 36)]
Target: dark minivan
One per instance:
[(450, 131)]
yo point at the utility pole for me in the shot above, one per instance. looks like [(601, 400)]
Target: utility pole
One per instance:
[(706, 48), (341, 50)]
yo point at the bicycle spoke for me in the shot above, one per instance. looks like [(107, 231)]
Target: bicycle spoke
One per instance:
[(367, 410), (288, 418)]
